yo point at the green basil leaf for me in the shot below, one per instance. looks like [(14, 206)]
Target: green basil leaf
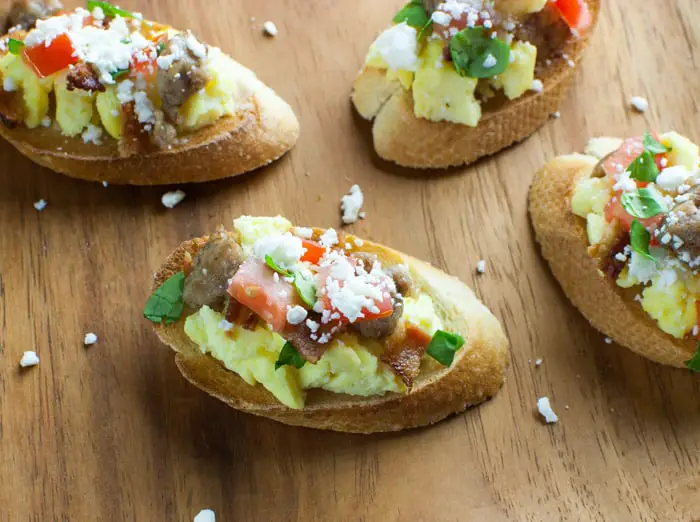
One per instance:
[(160, 48), (15, 46), (443, 347), (644, 167), (414, 14), (694, 363), (289, 357), (426, 31), (271, 263), (643, 204), (476, 55), (166, 303), (654, 146), (109, 9), (639, 240), (119, 73), (306, 288)]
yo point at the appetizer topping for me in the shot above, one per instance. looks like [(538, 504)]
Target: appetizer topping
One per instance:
[(24, 14), (206, 515), (639, 104), (351, 205), (444, 346), (289, 356), (90, 339), (270, 28), (29, 359), (166, 304), (545, 409), (643, 224), (694, 363), (169, 199)]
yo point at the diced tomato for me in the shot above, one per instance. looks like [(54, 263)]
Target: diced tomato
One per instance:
[(615, 210), (256, 287), (314, 251), (57, 56), (575, 13), (631, 149), (444, 31), (417, 337)]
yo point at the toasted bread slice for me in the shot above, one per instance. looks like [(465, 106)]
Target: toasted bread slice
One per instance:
[(562, 236), (262, 132), (476, 374), (403, 138)]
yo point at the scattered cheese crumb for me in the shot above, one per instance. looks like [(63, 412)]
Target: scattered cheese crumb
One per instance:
[(481, 266), (359, 242), (608, 340), (351, 205), (29, 359), (538, 363), (490, 61), (639, 103), (46, 122), (105, 184), (225, 325), (296, 314), (329, 238), (90, 339), (92, 134), (546, 411), (172, 199), (537, 85), (303, 232), (270, 29), (8, 84), (556, 115), (40, 205), (206, 515)]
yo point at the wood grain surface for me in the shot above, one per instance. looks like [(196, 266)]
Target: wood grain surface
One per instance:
[(112, 432)]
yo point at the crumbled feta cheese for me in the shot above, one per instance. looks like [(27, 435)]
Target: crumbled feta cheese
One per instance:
[(172, 199), (90, 339), (105, 184), (29, 359), (556, 115), (312, 325), (538, 363), (270, 29), (481, 266), (40, 205), (537, 85), (296, 314), (608, 340), (491, 61), (92, 134), (672, 178), (620, 257), (545, 409), (441, 18), (225, 325), (398, 47), (329, 238), (285, 250), (639, 103), (303, 232), (197, 47), (143, 107), (8, 84), (625, 182), (98, 13), (571, 63), (206, 515), (351, 205), (641, 268), (359, 242), (46, 122)]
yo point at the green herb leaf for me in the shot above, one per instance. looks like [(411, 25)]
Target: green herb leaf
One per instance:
[(654, 146), (289, 357), (640, 237), (426, 31), (694, 363), (15, 46), (644, 167), (306, 288), (643, 203), (271, 263), (109, 9), (414, 14), (443, 347), (160, 48), (119, 73), (166, 303), (476, 55)]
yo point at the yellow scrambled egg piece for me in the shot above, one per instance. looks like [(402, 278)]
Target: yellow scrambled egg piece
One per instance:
[(35, 91), (671, 307)]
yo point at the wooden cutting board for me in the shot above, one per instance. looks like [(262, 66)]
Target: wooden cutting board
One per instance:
[(113, 432)]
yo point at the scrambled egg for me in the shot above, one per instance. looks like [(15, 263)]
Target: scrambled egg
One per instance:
[(35, 91), (347, 367), (670, 306)]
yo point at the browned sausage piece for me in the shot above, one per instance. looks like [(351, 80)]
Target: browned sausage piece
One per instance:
[(24, 13)]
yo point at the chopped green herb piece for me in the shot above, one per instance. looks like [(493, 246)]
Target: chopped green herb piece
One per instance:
[(271, 263), (119, 73), (644, 168), (166, 303), (109, 9), (639, 240), (15, 46), (426, 31), (289, 357), (643, 203), (414, 14), (654, 146), (306, 288), (160, 48), (443, 347), (694, 363), (476, 55)]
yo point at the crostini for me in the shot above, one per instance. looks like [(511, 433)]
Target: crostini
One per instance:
[(103, 95), (451, 82), (620, 227), (316, 328)]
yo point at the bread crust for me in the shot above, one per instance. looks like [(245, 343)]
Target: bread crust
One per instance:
[(262, 132), (475, 376), (564, 242), (407, 140)]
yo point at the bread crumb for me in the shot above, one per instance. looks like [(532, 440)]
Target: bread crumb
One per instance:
[(40, 205), (28, 359), (270, 29), (481, 267), (206, 515), (545, 409), (640, 104), (90, 339), (172, 199)]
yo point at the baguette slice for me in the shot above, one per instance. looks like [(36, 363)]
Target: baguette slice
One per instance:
[(403, 138), (562, 236), (476, 374), (263, 132)]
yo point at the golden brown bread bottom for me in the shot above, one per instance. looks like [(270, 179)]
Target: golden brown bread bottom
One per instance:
[(400, 136), (264, 131), (562, 236), (475, 376)]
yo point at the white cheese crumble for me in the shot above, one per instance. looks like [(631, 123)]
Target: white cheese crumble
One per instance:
[(303, 232), (556, 115), (538, 363), (537, 85), (285, 250), (351, 205), (172, 199), (8, 84), (46, 122), (40, 205), (270, 28), (329, 238), (206, 515), (481, 266), (197, 47), (672, 178), (296, 314), (92, 134), (90, 339), (441, 18), (29, 359), (490, 61), (608, 340), (640, 104), (545, 409), (398, 47), (359, 242), (225, 325), (625, 182)]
